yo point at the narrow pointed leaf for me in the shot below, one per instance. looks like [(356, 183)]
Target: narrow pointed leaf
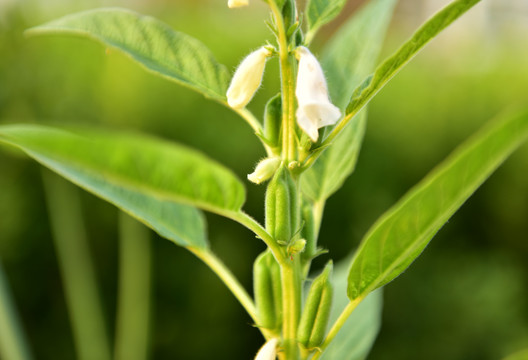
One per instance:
[(403, 232), (151, 43), (320, 12), (348, 58), (355, 339), (155, 181), (392, 65)]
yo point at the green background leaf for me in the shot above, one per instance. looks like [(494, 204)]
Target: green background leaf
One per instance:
[(151, 43), (155, 181), (349, 57), (320, 12), (403, 232), (392, 65), (356, 337)]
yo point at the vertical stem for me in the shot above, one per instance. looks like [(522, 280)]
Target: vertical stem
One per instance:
[(132, 324), (290, 269), (13, 344), (291, 291), (229, 280), (75, 265)]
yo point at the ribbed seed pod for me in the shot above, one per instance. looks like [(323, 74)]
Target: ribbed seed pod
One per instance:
[(316, 313), (279, 205), (268, 291), (272, 122)]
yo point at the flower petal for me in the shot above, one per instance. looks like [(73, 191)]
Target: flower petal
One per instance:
[(268, 351), (237, 3), (315, 109)]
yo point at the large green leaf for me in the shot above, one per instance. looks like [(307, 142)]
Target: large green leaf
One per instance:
[(157, 182), (151, 43), (356, 337), (320, 12), (403, 232), (347, 60), (392, 65)]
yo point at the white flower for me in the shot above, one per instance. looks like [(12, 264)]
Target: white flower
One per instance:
[(247, 78), (268, 351), (315, 109), (264, 170), (237, 3)]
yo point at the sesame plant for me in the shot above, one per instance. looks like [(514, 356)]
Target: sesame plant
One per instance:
[(311, 132)]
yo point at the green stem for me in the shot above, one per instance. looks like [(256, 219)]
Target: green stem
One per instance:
[(219, 268), (13, 343), (337, 326), (251, 224), (132, 323), (291, 291), (76, 269), (255, 125), (287, 87)]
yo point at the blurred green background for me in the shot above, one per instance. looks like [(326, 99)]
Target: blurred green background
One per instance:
[(465, 298)]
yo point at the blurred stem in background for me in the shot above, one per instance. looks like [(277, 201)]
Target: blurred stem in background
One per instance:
[(13, 344), (132, 327), (75, 264)]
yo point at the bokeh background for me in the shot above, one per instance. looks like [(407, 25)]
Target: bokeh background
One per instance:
[(465, 298)]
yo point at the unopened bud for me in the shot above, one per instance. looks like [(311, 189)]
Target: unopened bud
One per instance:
[(247, 78), (268, 351), (297, 247), (264, 170), (237, 3)]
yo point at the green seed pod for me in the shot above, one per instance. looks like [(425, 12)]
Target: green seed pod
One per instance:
[(316, 313), (279, 206), (272, 121), (268, 291)]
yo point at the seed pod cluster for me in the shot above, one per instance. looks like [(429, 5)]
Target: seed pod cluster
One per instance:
[(281, 206), (268, 291), (316, 313)]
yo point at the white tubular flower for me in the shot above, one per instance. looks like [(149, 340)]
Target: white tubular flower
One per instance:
[(268, 351), (237, 3), (247, 78), (264, 170), (315, 109)]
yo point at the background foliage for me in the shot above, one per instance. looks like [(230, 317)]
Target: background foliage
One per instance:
[(465, 298)]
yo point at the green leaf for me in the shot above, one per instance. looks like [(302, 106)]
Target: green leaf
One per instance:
[(392, 65), (155, 181), (356, 337), (348, 58), (403, 232), (320, 12), (149, 42)]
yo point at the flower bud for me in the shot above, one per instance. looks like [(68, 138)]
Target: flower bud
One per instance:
[(264, 170), (268, 351), (247, 78), (315, 109), (296, 247), (237, 3)]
